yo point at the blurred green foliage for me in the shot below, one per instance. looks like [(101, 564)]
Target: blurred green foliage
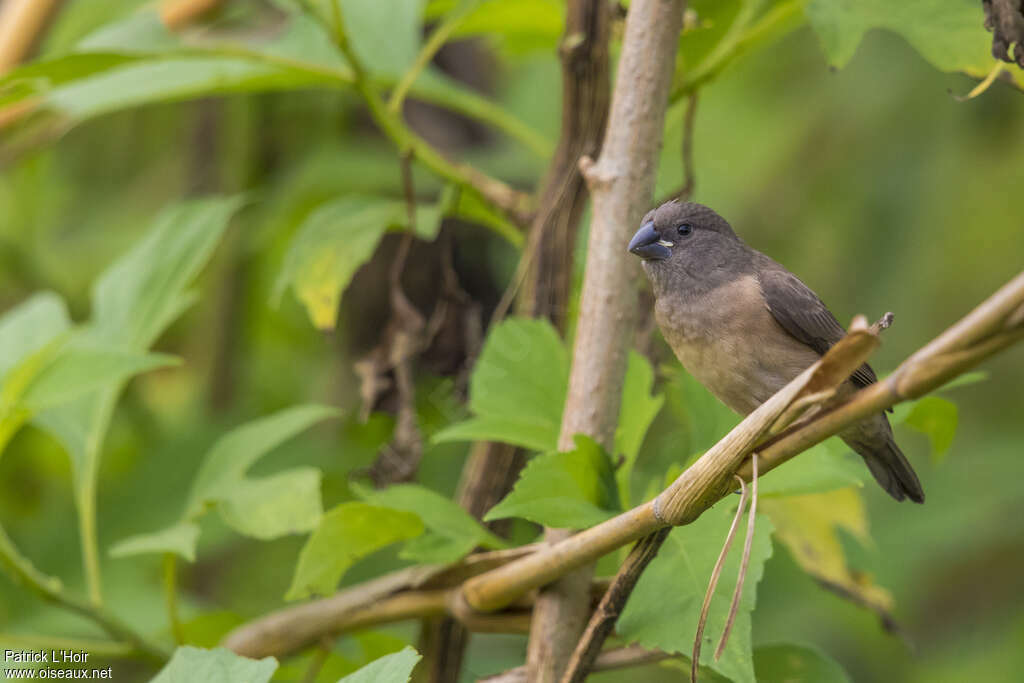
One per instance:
[(873, 183)]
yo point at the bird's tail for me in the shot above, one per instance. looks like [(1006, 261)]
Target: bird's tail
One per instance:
[(891, 469)]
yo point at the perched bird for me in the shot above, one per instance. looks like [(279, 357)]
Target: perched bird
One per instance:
[(744, 326)]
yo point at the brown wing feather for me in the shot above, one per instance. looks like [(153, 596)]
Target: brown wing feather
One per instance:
[(803, 315)]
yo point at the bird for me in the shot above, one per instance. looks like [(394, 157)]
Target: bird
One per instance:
[(744, 326)]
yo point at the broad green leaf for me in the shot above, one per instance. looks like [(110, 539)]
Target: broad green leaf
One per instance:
[(517, 27), (145, 290), (346, 534), (80, 369), (29, 326), (196, 665), (791, 663), (638, 410), (705, 418), (724, 30), (571, 490), (949, 34), (284, 503), (172, 79), (384, 35), (936, 418), (664, 609), (330, 246), (825, 467), (517, 391), (270, 507), (393, 668), (179, 539), (224, 467), (300, 41), (133, 302), (807, 525), (453, 531)]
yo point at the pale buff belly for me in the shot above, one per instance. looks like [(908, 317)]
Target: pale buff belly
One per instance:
[(730, 342)]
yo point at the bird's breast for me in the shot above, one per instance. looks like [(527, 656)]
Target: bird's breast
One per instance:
[(729, 341)]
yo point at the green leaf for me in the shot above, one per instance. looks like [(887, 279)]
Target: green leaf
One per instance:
[(639, 408), (80, 369), (393, 668), (453, 531), (807, 525), (384, 35), (270, 507), (224, 467), (284, 503), (705, 418), (133, 302), (331, 244), (665, 606), (29, 326), (145, 290), (791, 663), (517, 391), (519, 27), (179, 539), (949, 34), (196, 665), (571, 490), (825, 467), (936, 418), (345, 535)]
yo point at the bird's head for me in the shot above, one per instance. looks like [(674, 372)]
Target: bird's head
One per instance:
[(684, 244)]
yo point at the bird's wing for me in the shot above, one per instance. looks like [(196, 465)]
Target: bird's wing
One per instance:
[(803, 315)]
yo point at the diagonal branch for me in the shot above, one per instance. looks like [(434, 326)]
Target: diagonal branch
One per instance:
[(993, 326)]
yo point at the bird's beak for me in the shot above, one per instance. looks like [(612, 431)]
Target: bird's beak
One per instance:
[(648, 245)]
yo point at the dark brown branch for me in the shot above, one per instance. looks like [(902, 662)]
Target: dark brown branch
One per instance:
[(602, 622)]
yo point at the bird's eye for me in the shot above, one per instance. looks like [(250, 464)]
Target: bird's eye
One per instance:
[(684, 229)]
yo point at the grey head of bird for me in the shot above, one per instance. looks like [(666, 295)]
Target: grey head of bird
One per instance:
[(688, 249)]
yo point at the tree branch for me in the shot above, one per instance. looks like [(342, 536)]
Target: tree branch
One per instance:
[(21, 23), (621, 183), (617, 658), (176, 14), (993, 326)]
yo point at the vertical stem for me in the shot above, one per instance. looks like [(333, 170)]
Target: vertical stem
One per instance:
[(621, 183), (547, 262), (171, 597)]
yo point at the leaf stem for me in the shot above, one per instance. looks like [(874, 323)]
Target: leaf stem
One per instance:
[(49, 589), (438, 37), (517, 205), (171, 597)]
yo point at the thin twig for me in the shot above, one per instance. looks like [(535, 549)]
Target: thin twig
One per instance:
[(438, 37), (713, 583), (515, 204), (320, 655), (603, 620), (685, 191), (743, 563)]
